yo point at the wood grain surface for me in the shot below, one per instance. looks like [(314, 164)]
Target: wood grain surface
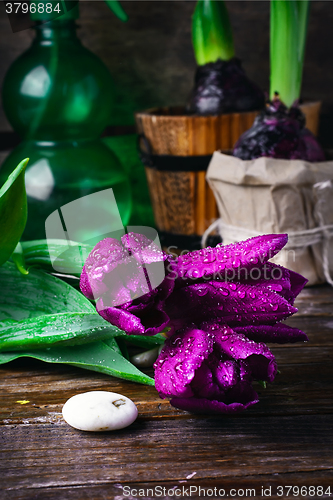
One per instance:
[(172, 132), (286, 439)]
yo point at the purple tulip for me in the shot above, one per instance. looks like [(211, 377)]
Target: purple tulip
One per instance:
[(233, 285), (217, 304), (212, 371), (127, 280)]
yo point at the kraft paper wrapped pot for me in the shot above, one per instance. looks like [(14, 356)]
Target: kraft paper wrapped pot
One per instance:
[(176, 150), (269, 195)]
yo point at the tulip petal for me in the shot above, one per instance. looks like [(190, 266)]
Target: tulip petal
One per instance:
[(181, 356), (203, 384), (276, 278), (258, 356), (104, 257), (222, 259), (226, 303), (297, 282), (142, 248), (203, 405), (148, 321), (226, 374), (279, 333), (85, 286)]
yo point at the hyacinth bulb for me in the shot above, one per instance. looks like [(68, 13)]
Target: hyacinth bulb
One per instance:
[(279, 132), (220, 85)]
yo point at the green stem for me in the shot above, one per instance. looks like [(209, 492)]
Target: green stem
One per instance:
[(211, 32), (288, 26), (117, 9)]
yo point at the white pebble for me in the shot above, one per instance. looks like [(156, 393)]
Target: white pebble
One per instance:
[(99, 411)]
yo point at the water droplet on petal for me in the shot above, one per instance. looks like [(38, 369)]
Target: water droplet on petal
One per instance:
[(202, 290), (209, 257), (194, 273), (275, 287)]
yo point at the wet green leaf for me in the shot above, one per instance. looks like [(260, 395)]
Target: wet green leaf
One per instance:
[(97, 356), (36, 294), (32, 317), (68, 259), (113, 343), (18, 258), (13, 211), (54, 329), (146, 341)]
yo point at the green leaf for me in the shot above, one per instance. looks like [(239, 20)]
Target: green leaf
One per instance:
[(113, 343), (36, 294), (146, 341), (288, 27), (97, 356), (69, 260), (18, 258), (117, 9), (64, 328), (262, 383), (13, 211), (211, 32)]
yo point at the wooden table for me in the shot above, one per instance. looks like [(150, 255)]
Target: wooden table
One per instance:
[(285, 440)]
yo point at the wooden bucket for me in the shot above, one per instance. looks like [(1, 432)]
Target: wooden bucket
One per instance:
[(312, 111), (182, 145)]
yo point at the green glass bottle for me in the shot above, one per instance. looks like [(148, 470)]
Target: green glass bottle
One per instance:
[(58, 96)]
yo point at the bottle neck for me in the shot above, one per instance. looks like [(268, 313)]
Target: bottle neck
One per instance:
[(56, 31)]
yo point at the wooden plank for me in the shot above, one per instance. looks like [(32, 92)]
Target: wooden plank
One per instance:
[(315, 301), (266, 484), (302, 387), (33, 456), (315, 309), (316, 293), (318, 329), (285, 439)]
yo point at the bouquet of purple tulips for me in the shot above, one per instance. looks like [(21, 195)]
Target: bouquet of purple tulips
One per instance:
[(216, 306)]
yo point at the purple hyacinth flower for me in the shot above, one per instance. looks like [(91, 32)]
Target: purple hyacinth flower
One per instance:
[(212, 371)]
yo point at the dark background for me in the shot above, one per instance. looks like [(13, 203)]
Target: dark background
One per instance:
[(151, 59)]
